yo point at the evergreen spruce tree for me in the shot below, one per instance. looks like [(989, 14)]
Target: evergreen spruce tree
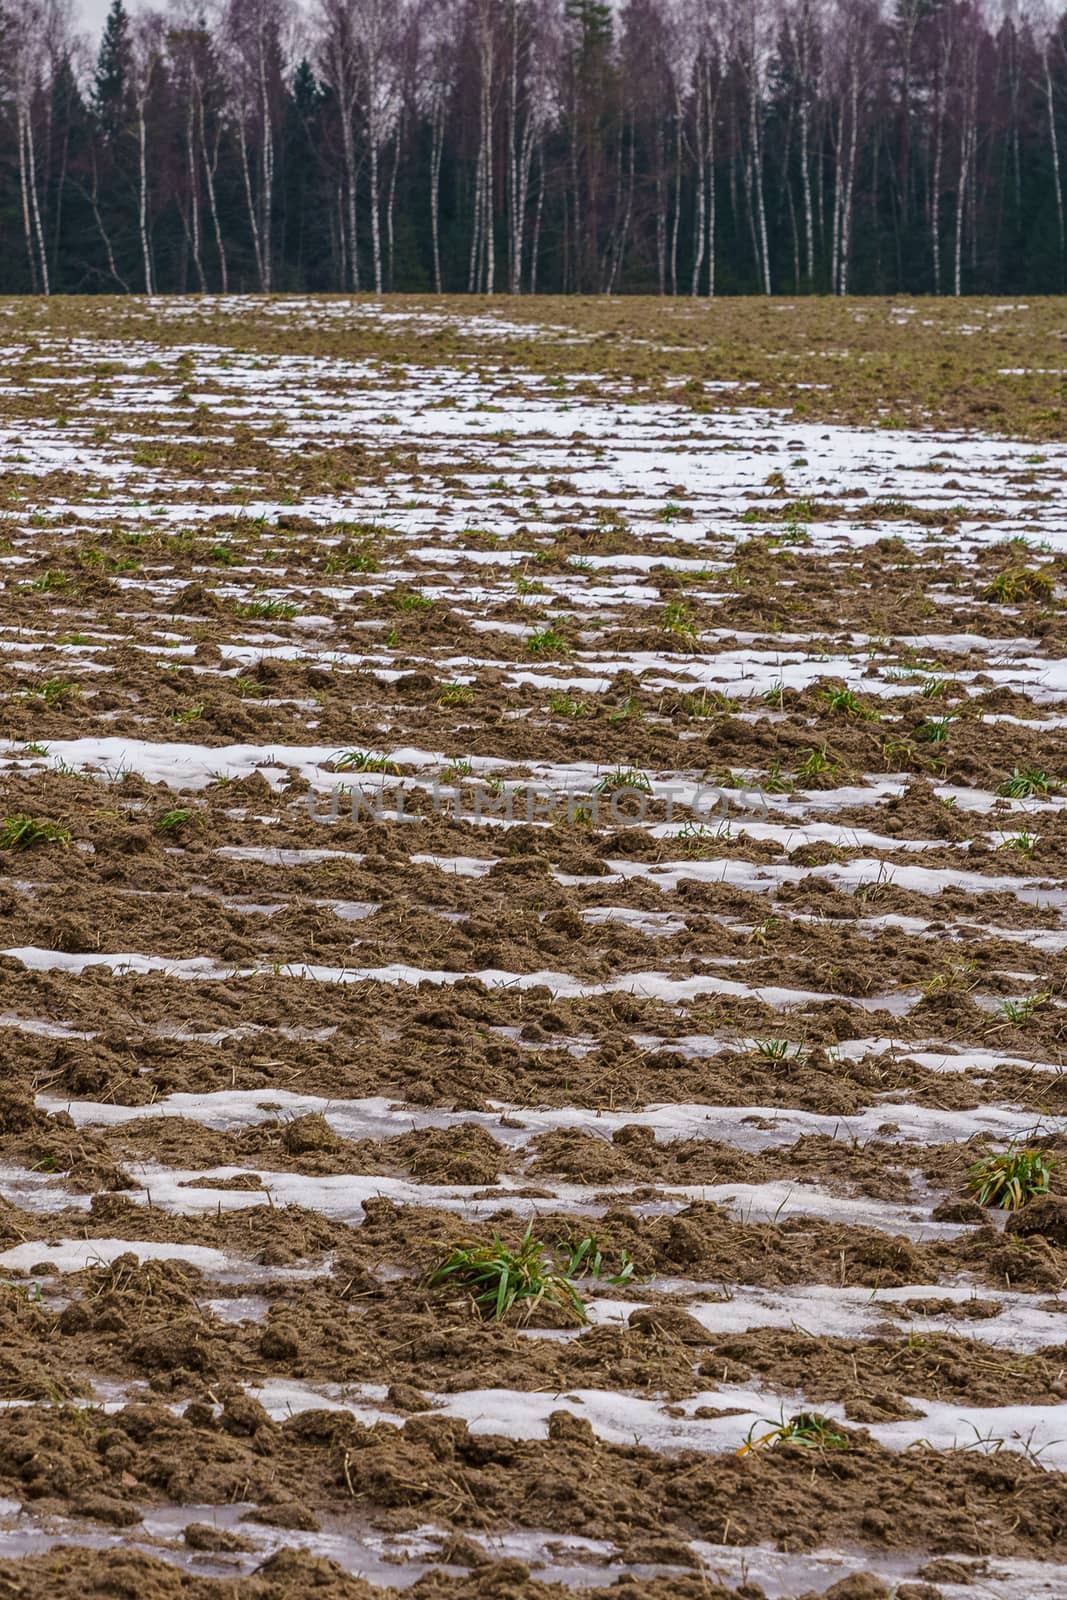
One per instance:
[(111, 82)]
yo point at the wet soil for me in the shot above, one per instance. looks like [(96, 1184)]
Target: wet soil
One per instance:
[(369, 742)]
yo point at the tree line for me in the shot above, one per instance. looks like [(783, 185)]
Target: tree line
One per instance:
[(670, 147)]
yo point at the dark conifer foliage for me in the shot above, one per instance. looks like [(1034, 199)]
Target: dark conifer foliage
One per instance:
[(691, 147)]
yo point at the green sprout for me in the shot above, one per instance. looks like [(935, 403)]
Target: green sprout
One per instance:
[(499, 1280), (55, 692), (565, 705), (271, 610), (1023, 842), (709, 703), (816, 764), (623, 778), (678, 621), (173, 822), (1025, 783), (409, 600), (23, 833), (933, 730), (456, 694), (1009, 1180), (364, 761), (1019, 1012), (847, 703), (807, 1428), (548, 641), (776, 1049), (1018, 583)]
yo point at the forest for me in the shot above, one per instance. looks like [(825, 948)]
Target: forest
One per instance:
[(671, 147)]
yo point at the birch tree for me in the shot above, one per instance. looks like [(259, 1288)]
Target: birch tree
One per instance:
[(436, 43), (146, 57), (534, 46), (24, 59), (254, 37), (751, 44), (339, 66)]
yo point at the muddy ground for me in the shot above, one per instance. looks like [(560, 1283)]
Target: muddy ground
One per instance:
[(461, 776)]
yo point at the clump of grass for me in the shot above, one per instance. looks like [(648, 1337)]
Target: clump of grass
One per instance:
[(709, 703), (694, 839), (500, 1280), (548, 641), (678, 621), (1007, 1181), (1022, 842), (51, 581), (586, 1260), (188, 714), (845, 702), (456, 770), (456, 694), (955, 977), (270, 610), (565, 705), (55, 692), (1025, 783), (933, 730), (409, 600), (23, 833), (904, 755), (58, 691), (623, 778), (817, 763), (776, 1049), (1019, 1012), (364, 761), (726, 778), (172, 822), (249, 688), (777, 781), (1018, 583), (807, 1428), (352, 557)]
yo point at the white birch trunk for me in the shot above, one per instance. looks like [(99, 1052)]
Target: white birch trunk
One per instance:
[(209, 178), (1054, 147), (194, 191), (25, 192), (142, 197), (253, 221), (436, 150)]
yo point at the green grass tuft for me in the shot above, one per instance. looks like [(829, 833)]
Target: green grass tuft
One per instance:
[(23, 833), (1009, 1180), (500, 1280)]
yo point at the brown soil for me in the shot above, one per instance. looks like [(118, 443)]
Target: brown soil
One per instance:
[(418, 590)]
